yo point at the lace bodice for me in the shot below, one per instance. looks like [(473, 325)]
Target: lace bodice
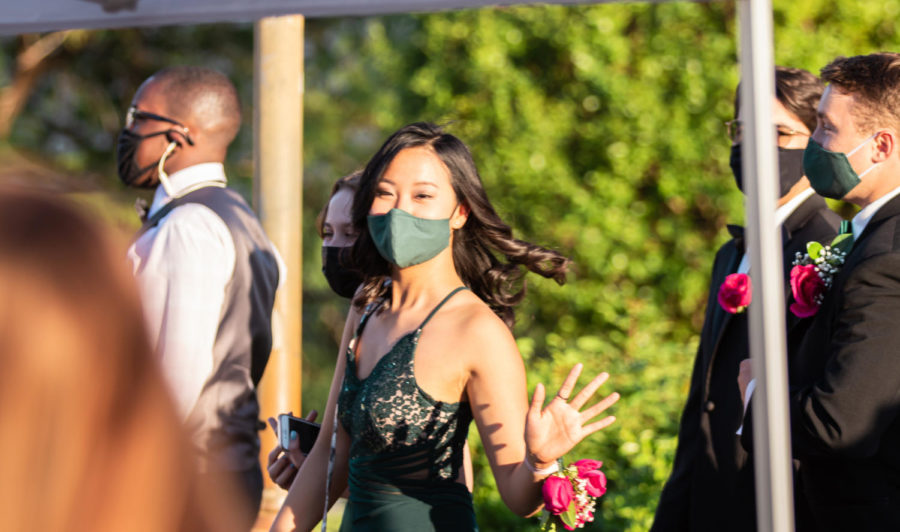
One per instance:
[(395, 427)]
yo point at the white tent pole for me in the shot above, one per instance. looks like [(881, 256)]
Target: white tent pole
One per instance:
[(771, 437)]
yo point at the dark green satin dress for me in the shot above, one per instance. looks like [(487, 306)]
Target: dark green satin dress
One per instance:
[(406, 448)]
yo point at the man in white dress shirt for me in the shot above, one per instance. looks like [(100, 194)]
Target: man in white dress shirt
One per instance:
[(206, 270)]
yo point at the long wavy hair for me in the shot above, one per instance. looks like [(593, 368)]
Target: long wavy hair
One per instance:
[(486, 256)]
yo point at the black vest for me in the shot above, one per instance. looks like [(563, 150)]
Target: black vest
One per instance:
[(223, 424)]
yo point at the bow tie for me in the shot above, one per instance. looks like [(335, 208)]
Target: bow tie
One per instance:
[(737, 233), (140, 205)]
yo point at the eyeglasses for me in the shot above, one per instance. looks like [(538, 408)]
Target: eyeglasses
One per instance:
[(134, 114), (782, 132)]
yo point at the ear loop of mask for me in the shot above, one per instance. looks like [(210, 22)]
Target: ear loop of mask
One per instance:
[(163, 176), (854, 150)]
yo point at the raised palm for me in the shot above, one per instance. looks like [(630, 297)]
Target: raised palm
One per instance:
[(553, 430)]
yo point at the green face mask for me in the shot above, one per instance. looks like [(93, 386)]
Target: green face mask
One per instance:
[(407, 240), (830, 172)]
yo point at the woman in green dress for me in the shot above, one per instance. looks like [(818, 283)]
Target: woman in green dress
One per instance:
[(424, 355)]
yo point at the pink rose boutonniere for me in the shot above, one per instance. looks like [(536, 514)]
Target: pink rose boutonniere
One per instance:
[(813, 273), (808, 289), (570, 495), (736, 293)]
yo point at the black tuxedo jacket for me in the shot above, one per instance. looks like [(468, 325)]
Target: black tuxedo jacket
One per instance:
[(711, 486), (845, 396)]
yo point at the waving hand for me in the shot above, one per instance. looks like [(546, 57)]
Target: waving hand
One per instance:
[(553, 430)]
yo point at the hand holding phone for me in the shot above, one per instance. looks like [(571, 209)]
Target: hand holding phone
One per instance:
[(306, 432), (283, 463)]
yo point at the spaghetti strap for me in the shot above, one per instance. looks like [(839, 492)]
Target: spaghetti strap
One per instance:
[(441, 304), (370, 309)]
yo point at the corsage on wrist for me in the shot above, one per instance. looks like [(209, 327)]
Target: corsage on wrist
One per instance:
[(570, 495)]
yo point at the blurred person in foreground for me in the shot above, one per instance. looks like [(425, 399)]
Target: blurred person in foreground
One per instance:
[(711, 487), (89, 438), (206, 270), (845, 398)]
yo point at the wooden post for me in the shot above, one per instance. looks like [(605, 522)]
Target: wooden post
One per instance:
[(278, 198)]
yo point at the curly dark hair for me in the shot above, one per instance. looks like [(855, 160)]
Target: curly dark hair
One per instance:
[(477, 246)]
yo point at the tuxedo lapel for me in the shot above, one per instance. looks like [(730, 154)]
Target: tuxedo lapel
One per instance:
[(888, 210), (801, 215), (794, 240), (860, 245), (731, 265), (721, 318), (737, 234)]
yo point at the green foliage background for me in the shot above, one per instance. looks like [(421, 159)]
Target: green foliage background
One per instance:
[(598, 131)]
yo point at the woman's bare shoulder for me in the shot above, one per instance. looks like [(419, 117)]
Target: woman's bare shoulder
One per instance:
[(474, 314), (482, 333)]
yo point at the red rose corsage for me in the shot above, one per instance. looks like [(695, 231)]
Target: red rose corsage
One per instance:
[(570, 495)]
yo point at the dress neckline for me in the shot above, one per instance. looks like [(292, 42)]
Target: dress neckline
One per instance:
[(354, 342)]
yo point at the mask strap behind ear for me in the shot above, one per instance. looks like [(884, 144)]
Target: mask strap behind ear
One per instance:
[(854, 150), (163, 176), (860, 146)]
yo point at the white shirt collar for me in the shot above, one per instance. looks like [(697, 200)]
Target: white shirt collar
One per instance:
[(863, 217), (782, 213), (185, 179)]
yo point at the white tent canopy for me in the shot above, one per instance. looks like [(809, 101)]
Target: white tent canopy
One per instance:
[(47, 15), (767, 346)]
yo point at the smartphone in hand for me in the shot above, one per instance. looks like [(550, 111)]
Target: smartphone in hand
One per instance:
[(307, 432)]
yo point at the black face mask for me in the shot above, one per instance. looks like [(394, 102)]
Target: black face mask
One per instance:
[(129, 172), (342, 280), (790, 168)]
